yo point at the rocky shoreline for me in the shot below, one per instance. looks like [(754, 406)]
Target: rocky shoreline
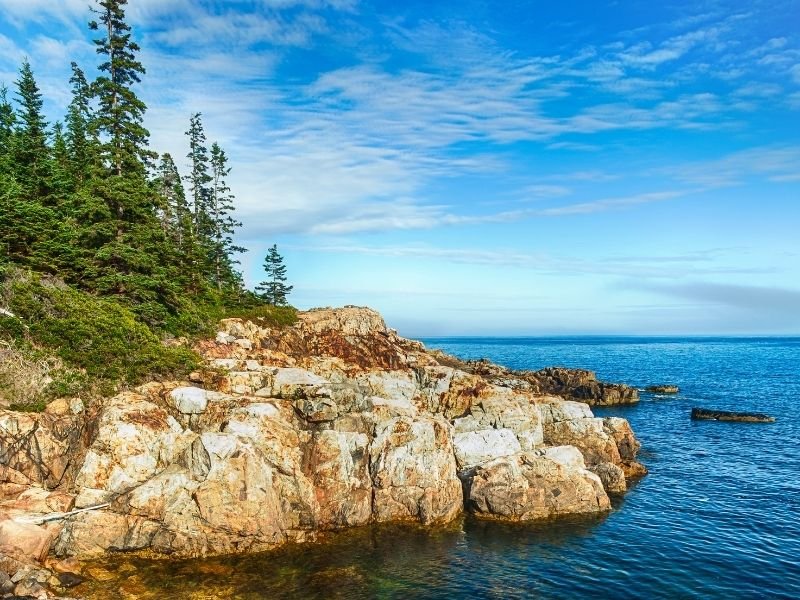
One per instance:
[(332, 423)]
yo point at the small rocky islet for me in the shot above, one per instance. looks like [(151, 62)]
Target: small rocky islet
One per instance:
[(708, 414), (663, 389), (291, 432)]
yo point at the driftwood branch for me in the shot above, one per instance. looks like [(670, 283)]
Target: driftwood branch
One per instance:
[(40, 519)]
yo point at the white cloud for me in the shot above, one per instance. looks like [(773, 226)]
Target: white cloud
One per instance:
[(690, 264), (770, 163), (355, 148), (795, 72)]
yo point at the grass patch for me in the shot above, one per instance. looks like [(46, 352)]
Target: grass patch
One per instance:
[(267, 315)]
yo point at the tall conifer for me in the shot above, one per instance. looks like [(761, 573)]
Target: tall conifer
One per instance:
[(120, 112), (80, 140), (31, 154), (7, 122), (221, 219)]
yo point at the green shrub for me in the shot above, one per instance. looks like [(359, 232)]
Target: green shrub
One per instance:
[(98, 336), (37, 406)]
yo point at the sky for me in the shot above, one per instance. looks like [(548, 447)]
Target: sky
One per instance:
[(485, 168)]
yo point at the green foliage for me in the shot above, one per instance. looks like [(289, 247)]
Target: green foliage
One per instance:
[(30, 376), (80, 140), (36, 406), (267, 315), (120, 112), (7, 122), (100, 337), (220, 216), (30, 151)]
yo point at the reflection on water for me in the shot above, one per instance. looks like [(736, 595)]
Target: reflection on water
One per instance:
[(383, 561)]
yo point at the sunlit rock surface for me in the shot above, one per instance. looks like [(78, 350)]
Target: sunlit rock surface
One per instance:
[(333, 422)]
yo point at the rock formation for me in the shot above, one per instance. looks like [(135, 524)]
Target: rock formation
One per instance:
[(333, 422), (571, 384), (706, 414), (666, 388)]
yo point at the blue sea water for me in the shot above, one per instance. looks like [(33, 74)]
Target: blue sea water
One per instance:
[(719, 514), (717, 517)]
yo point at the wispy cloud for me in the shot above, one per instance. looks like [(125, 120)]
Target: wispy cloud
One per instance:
[(775, 300), (770, 163), (355, 144), (690, 264)]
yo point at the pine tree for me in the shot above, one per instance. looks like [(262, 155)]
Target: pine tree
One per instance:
[(199, 178), (274, 290), (131, 258), (80, 141), (221, 220), (120, 112), (31, 154), (7, 122), (61, 181)]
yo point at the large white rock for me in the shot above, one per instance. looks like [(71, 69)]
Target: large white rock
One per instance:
[(504, 408), (413, 471), (569, 456), (475, 447), (189, 400), (291, 376), (135, 440), (527, 486), (555, 410)]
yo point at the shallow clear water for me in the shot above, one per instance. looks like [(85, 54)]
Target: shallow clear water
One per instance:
[(717, 517)]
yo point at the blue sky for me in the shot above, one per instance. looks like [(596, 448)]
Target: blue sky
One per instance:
[(485, 167)]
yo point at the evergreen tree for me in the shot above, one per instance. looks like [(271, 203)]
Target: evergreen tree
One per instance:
[(80, 140), (176, 216), (274, 290), (31, 154), (61, 181), (221, 220), (130, 257), (199, 178), (7, 122), (120, 112)]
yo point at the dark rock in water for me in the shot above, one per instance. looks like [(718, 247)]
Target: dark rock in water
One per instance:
[(578, 385), (583, 386), (726, 415), (69, 580), (663, 389)]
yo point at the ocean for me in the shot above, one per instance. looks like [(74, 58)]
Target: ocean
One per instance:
[(717, 517)]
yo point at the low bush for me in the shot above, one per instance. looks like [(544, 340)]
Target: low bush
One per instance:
[(267, 315), (100, 342)]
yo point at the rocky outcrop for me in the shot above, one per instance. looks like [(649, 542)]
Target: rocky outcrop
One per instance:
[(536, 485), (706, 414), (663, 389), (334, 422), (571, 384)]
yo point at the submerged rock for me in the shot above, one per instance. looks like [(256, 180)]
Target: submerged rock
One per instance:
[(726, 415)]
